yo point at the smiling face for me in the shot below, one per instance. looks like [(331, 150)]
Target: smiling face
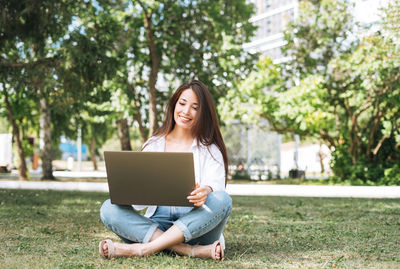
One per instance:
[(186, 109)]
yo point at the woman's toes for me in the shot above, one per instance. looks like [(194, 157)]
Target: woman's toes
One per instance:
[(105, 249), (218, 252)]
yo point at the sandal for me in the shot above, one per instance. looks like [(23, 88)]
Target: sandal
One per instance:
[(111, 249), (213, 251)]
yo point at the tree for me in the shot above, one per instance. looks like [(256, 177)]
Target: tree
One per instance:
[(319, 33), (90, 58), (322, 31), (351, 102), (63, 58), (184, 40), (65, 50), (173, 42), (96, 123), (30, 31), (22, 169), (255, 97)]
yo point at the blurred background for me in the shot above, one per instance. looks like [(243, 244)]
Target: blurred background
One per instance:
[(304, 89)]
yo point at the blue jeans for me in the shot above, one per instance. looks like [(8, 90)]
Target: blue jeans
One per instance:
[(200, 225)]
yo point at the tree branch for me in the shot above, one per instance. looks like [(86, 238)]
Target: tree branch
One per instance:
[(326, 137), (374, 129), (276, 127), (378, 146)]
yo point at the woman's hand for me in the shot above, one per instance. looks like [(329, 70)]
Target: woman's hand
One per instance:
[(199, 196)]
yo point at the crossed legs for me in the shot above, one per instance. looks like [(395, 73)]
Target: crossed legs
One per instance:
[(200, 226), (171, 239)]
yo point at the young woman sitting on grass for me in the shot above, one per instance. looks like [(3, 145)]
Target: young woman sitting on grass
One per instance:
[(190, 125)]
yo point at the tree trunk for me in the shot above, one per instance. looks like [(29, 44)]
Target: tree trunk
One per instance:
[(153, 102), (374, 130), (45, 139), (138, 116), (321, 158), (141, 127), (353, 138), (22, 170), (154, 68), (93, 153), (123, 134)]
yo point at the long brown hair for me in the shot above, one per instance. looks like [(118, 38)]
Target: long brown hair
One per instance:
[(206, 127)]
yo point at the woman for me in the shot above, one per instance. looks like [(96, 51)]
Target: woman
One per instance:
[(190, 125)]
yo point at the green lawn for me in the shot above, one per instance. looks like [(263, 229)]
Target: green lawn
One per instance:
[(54, 229)]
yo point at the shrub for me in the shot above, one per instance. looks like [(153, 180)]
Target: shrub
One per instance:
[(362, 173), (391, 176)]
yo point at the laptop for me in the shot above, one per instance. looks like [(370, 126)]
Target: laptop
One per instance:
[(150, 178)]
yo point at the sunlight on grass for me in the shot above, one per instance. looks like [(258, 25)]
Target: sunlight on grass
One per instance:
[(51, 229)]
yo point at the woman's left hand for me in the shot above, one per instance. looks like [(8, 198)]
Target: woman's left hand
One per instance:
[(199, 196)]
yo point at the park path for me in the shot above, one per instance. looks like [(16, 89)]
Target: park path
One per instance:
[(232, 189)]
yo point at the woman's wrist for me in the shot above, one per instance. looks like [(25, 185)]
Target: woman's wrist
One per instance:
[(209, 189)]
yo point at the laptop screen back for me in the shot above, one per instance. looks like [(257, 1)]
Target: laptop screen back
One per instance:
[(150, 178)]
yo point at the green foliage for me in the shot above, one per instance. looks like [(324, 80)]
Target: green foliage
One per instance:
[(91, 60), (58, 50), (4, 125), (370, 95), (303, 108), (361, 173), (392, 176), (24, 113), (322, 31), (255, 96), (193, 39), (347, 93), (204, 39)]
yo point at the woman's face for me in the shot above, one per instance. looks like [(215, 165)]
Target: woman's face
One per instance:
[(186, 109)]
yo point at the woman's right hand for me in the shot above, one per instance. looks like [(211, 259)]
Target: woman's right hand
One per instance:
[(199, 196)]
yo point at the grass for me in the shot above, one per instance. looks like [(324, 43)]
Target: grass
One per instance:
[(61, 229)]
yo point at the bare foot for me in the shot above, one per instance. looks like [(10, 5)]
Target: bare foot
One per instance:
[(112, 249), (218, 252), (213, 251)]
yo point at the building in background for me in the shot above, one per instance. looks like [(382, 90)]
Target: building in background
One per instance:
[(6, 156), (69, 148), (366, 12), (271, 17)]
